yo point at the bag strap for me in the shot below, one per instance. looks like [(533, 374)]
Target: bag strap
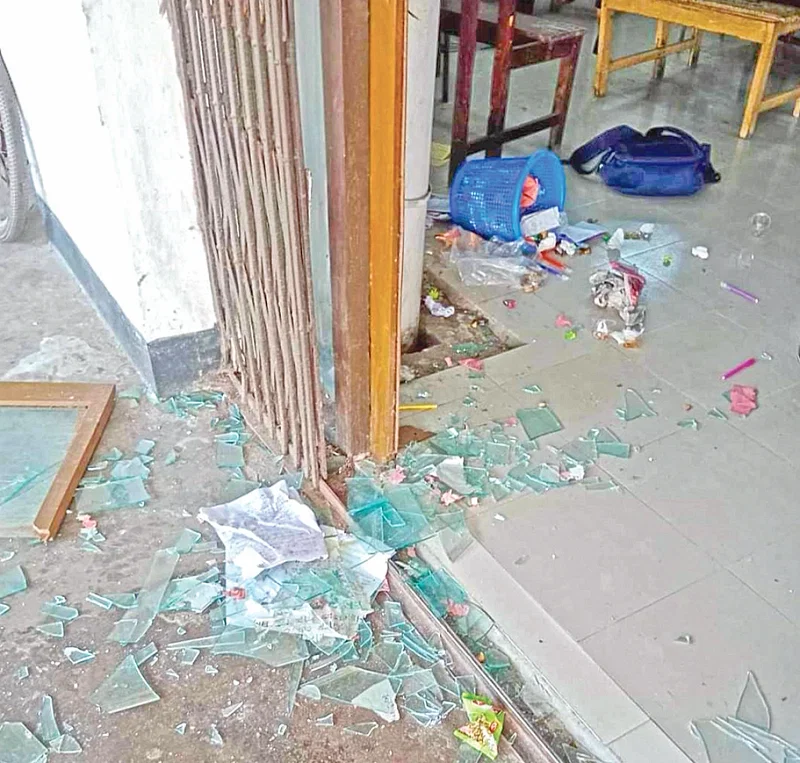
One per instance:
[(710, 175), (600, 144)]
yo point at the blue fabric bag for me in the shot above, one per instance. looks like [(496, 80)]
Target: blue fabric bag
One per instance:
[(665, 161)]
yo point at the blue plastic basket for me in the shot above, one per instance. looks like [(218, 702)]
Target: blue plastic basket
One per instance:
[(485, 193)]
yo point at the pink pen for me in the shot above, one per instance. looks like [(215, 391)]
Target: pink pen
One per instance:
[(740, 292), (735, 370)]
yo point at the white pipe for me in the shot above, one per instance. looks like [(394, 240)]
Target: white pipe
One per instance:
[(421, 50)]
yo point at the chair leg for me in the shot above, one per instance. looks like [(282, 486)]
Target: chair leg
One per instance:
[(662, 36), (566, 76), (604, 35), (467, 45), (501, 72), (796, 109), (758, 83), (694, 53), (444, 57)]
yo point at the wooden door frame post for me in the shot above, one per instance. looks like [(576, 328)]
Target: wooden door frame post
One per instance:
[(387, 70)]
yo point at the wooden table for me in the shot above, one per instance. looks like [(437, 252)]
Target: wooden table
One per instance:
[(759, 22)]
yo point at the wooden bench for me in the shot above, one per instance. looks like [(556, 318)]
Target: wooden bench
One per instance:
[(759, 22), (519, 40)]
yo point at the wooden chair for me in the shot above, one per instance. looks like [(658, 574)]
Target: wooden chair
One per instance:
[(519, 40)]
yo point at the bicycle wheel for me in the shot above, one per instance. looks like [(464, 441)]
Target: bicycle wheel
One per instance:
[(13, 162)]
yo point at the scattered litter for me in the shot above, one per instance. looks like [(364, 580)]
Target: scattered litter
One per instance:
[(511, 304), (614, 242), (619, 287), (701, 252), (562, 322), (570, 335), (743, 399), (689, 424), (490, 263), (437, 309), (739, 292), (499, 518), (417, 406), (738, 368), (473, 364), (759, 223), (77, 656), (485, 726), (666, 260)]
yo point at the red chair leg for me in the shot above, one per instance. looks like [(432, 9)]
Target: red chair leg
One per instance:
[(566, 76), (501, 71), (467, 44)]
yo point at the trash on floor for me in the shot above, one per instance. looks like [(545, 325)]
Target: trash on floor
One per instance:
[(738, 368), (620, 287), (739, 292), (437, 309), (743, 399), (485, 725), (701, 252)]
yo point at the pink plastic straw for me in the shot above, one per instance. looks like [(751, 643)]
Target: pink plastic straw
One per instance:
[(735, 370), (741, 292)]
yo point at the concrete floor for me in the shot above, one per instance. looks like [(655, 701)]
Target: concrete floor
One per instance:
[(703, 536)]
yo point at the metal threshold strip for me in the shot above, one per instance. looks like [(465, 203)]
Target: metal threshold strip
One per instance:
[(529, 745)]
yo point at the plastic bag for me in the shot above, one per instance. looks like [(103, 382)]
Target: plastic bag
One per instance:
[(490, 263), (485, 726)]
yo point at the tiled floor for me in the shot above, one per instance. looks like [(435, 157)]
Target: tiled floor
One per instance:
[(703, 537)]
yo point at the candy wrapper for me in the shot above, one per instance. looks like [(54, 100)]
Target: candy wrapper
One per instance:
[(485, 725)]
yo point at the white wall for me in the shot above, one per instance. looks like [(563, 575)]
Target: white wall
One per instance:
[(99, 92)]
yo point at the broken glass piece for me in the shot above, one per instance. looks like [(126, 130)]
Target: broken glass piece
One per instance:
[(532, 389), (132, 467), (4, 608), (231, 709), (362, 729), (538, 422), (56, 629), (229, 456), (171, 457), (770, 745), (46, 726), (59, 611), (325, 720), (468, 754), (18, 745), (186, 540), (66, 744), (210, 670), (145, 653), (361, 688), (130, 393), (600, 484), (12, 581), (99, 601), (23, 672), (635, 406), (149, 599), (271, 647), (214, 736), (77, 656), (115, 494), (180, 729), (722, 747), (124, 689), (581, 451), (295, 676), (6, 556), (115, 454), (716, 413), (689, 424), (89, 546), (122, 600), (753, 707), (230, 637), (143, 447), (685, 638), (366, 639), (189, 656)]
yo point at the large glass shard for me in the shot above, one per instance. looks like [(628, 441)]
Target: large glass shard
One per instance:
[(770, 745), (538, 422), (130, 467), (635, 406), (56, 629), (581, 451), (66, 744), (143, 447), (295, 677), (752, 707), (12, 581), (18, 745), (451, 473), (116, 494), (77, 656), (145, 653), (124, 689), (59, 611), (46, 726), (271, 647), (33, 443), (722, 747), (186, 540), (229, 456), (150, 597), (231, 637), (361, 688)]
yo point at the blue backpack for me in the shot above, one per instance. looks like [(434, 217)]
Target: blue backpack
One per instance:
[(665, 161)]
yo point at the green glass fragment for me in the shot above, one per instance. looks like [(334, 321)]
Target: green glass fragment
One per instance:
[(214, 736), (12, 581), (186, 540), (112, 495), (46, 726), (325, 720), (231, 709), (143, 447), (18, 745), (362, 729), (189, 656), (77, 656), (359, 687), (538, 422), (56, 629), (99, 601), (145, 653), (130, 393), (689, 424), (210, 670), (59, 611), (3, 609), (89, 546), (229, 456), (97, 466), (753, 707), (23, 672), (122, 600), (124, 689), (601, 484), (581, 451), (131, 467), (66, 744), (295, 676), (115, 454), (171, 457), (635, 406), (274, 648), (532, 389), (180, 729), (716, 413)]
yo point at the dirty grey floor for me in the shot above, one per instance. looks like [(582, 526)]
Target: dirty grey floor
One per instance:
[(51, 332), (702, 538)]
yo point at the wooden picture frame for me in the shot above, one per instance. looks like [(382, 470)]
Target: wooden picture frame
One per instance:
[(95, 403)]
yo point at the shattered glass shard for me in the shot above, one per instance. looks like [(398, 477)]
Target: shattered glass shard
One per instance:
[(12, 581), (229, 456), (186, 540), (636, 406), (468, 754), (689, 424), (18, 745), (59, 612), (23, 672), (143, 447), (295, 676), (66, 744), (109, 496), (89, 546), (46, 726), (361, 688), (122, 600), (131, 467), (362, 729), (753, 707), (4, 608), (6, 556), (171, 457), (581, 451), (115, 454), (274, 648), (214, 736), (56, 629), (716, 413), (210, 670), (538, 422), (325, 720), (231, 709), (722, 747), (145, 653), (189, 656), (124, 689), (77, 656), (532, 389), (180, 729)]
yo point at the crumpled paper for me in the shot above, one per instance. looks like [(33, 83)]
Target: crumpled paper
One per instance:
[(744, 399)]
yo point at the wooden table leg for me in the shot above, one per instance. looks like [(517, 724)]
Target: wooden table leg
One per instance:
[(566, 76), (694, 53), (662, 36), (604, 35), (501, 71), (796, 109), (758, 83), (467, 44)]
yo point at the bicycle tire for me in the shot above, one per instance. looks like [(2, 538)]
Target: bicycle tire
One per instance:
[(12, 221)]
